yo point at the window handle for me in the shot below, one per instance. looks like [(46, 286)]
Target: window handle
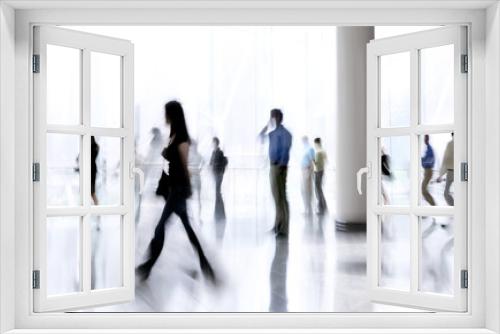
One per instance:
[(365, 170), (137, 171)]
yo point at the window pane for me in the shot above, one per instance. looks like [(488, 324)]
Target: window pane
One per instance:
[(105, 178), (395, 90), (437, 254), (394, 167), (437, 85), (63, 179), (437, 170), (395, 252), (105, 90), (63, 255), (106, 252), (63, 85)]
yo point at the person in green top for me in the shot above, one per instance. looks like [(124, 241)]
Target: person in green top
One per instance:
[(320, 160)]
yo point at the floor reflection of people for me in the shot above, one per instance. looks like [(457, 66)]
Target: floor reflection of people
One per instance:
[(218, 163), (447, 167), (437, 255), (306, 165), (320, 160), (313, 229), (278, 277), (176, 154), (428, 161), (280, 142)]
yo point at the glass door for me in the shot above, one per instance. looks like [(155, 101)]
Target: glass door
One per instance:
[(83, 165), (417, 150)]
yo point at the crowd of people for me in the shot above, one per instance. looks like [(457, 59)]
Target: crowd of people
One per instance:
[(428, 163), (312, 165), (180, 179)]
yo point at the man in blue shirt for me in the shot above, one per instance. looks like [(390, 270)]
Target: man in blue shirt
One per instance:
[(280, 142), (428, 161)]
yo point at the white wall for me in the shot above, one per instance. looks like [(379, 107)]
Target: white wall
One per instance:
[(228, 92), (7, 166), (493, 166)]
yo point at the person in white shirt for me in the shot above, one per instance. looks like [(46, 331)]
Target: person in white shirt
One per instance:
[(320, 160), (447, 167)]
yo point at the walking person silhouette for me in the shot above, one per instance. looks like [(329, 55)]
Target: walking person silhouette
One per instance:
[(176, 153)]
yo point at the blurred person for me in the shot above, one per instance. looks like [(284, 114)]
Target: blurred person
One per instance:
[(320, 160), (149, 163), (153, 156), (94, 152), (96, 223), (176, 153), (218, 163), (280, 142), (140, 163), (387, 175), (307, 167), (195, 164), (447, 167), (428, 161)]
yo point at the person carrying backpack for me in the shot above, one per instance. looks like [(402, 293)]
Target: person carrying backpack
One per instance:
[(218, 163)]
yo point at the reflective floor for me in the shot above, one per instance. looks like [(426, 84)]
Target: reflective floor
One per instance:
[(318, 269)]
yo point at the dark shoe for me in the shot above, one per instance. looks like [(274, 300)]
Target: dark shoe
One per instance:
[(143, 271), (207, 270)]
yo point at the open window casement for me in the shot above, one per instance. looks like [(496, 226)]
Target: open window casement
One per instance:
[(417, 86), (83, 170)]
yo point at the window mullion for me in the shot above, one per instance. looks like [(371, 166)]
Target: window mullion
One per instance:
[(414, 170), (86, 250), (85, 175)]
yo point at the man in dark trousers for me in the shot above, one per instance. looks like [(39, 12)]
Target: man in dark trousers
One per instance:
[(280, 142), (218, 163)]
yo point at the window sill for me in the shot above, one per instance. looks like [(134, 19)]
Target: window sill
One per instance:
[(253, 331)]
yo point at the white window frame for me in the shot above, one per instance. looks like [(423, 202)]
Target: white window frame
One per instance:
[(86, 44), (483, 125), (412, 44)]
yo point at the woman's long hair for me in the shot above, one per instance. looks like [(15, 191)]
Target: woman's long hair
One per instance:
[(175, 114)]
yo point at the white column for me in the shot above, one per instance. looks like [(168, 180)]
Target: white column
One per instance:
[(350, 209)]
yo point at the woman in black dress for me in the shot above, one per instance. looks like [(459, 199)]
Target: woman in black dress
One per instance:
[(94, 152), (176, 154)]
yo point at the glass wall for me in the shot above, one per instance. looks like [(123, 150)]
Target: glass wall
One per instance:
[(227, 81)]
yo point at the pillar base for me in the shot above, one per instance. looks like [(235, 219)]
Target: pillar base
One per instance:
[(350, 226)]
